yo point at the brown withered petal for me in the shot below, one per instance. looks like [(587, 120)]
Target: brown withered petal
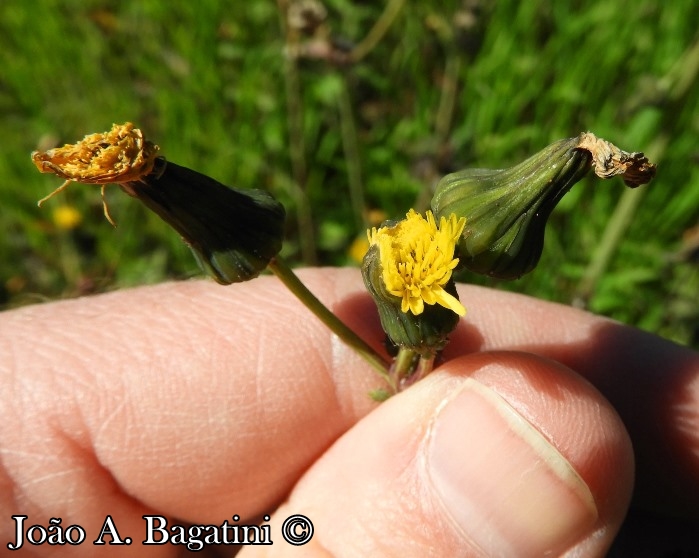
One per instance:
[(609, 161), (120, 155)]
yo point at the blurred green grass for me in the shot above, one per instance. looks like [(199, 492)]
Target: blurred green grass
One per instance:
[(451, 85)]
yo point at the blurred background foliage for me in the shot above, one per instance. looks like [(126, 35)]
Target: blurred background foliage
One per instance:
[(349, 112)]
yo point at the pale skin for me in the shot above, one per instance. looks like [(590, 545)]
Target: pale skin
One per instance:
[(197, 402)]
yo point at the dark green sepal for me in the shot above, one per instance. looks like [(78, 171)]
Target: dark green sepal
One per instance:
[(233, 233)]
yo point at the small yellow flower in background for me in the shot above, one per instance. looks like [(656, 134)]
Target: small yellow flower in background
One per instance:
[(360, 244), (358, 248), (66, 217), (417, 260)]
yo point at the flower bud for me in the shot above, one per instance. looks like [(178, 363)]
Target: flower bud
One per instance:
[(506, 210), (407, 270)]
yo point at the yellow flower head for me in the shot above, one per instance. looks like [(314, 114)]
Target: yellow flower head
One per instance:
[(417, 260), (66, 217)]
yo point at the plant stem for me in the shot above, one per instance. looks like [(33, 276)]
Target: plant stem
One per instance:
[(378, 31), (677, 84), (443, 120), (352, 159), (613, 234), (297, 144), (425, 366), (403, 368), (410, 367), (337, 326)]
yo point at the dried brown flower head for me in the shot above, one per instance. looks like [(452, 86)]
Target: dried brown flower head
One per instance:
[(608, 161), (119, 156), (233, 233)]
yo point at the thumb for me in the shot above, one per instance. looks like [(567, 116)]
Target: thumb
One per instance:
[(494, 454)]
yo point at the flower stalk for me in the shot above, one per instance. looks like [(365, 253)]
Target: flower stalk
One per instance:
[(292, 282)]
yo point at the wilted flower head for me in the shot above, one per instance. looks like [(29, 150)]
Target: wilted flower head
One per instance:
[(120, 155), (233, 233)]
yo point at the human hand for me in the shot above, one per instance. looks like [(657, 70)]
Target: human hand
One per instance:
[(199, 402)]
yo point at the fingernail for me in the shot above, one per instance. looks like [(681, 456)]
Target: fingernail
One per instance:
[(503, 484)]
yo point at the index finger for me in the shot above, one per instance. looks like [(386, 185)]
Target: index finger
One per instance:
[(197, 399)]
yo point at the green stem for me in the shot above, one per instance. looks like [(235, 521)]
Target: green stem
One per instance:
[(403, 368), (443, 120), (425, 366), (297, 145), (613, 234), (378, 31), (351, 149), (410, 367), (677, 83), (447, 99), (339, 328)]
